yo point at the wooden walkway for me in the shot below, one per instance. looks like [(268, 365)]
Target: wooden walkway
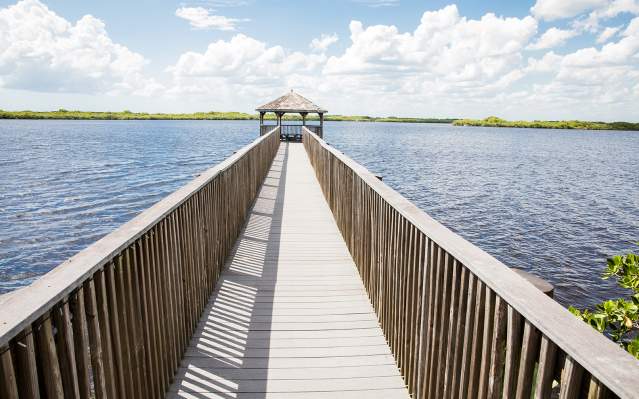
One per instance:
[(290, 317)]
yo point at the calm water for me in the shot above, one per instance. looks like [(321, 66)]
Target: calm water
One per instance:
[(553, 202)]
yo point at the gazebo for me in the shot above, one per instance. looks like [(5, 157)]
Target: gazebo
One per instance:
[(291, 103)]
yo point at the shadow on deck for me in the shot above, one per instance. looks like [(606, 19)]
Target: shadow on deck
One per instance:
[(289, 316)]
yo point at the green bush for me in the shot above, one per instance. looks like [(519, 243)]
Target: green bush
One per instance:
[(618, 318), (493, 121)]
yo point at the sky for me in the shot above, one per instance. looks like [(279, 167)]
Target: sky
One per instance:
[(538, 59)]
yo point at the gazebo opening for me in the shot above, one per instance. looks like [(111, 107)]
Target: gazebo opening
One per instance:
[(291, 103)]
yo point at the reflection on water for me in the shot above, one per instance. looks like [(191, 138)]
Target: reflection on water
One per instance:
[(553, 202)]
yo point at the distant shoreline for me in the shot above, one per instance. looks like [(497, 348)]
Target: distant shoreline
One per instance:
[(127, 115), (493, 121), (237, 116)]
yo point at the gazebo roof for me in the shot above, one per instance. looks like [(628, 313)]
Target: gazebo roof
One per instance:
[(291, 102)]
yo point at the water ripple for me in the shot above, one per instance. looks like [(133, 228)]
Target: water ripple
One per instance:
[(553, 202), (66, 184)]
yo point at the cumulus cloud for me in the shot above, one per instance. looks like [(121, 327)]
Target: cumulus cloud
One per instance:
[(42, 51), (557, 9), (590, 79), (444, 46), (323, 42), (242, 66), (553, 37), (202, 18)]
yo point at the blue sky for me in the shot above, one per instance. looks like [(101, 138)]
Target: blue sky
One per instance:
[(541, 59)]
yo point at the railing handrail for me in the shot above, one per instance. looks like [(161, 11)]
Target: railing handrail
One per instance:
[(611, 365), (29, 303)]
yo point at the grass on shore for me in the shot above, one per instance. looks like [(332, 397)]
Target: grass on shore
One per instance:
[(494, 121), (128, 115)]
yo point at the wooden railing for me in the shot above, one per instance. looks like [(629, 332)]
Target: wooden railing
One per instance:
[(459, 322), (265, 129), (290, 131), (114, 320)]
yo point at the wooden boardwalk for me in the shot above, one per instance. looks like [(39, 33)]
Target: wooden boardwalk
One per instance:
[(289, 317)]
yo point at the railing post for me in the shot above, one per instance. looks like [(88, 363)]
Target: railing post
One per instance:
[(509, 338)]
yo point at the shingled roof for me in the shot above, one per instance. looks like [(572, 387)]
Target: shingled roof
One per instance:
[(291, 102)]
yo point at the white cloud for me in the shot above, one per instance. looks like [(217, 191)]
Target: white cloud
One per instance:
[(553, 37), (447, 65), (557, 9), (41, 51), (323, 42), (239, 71), (610, 9), (202, 18), (591, 81), (444, 46), (607, 34)]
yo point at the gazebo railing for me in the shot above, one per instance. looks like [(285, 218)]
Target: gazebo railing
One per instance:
[(290, 130), (460, 323), (114, 320)]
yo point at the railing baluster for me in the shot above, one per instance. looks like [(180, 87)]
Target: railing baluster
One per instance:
[(497, 351), (114, 324), (529, 352), (123, 303), (51, 375), (571, 379), (134, 298), (545, 368), (65, 347), (24, 349), (95, 340), (8, 384), (81, 343)]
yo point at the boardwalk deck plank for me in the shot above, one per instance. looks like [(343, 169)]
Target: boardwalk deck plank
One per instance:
[(289, 316)]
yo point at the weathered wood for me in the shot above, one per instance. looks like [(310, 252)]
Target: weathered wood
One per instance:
[(513, 350), (122, 303), (464, 379), (126, 323), (81, 343), (65, 346), (529, 353), (8, 384), (545, 368), (571, 379), (497, 351), (49, 360), (24, 349), (119, 354), (270, 326), (95, 340), (486, 343), (335, 172)]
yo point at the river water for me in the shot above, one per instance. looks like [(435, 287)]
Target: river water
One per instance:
[(553, 202)]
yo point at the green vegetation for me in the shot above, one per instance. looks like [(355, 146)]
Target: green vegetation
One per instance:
[(494, 121), (618, 318), (124, 115), (128, 115)]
